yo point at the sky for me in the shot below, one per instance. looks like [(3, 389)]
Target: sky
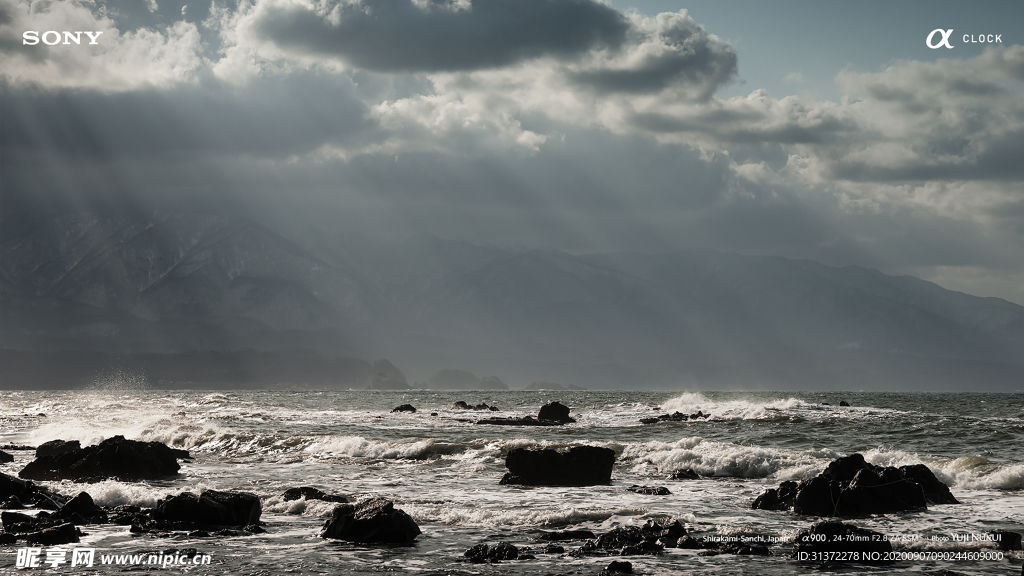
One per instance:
[(818, 130)]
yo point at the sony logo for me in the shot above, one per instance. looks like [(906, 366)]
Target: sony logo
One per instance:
[(52, 37)]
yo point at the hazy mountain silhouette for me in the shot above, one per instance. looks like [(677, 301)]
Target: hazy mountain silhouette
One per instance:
[(175, 284)]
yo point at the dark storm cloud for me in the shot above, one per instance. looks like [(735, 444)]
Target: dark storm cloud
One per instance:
[(400, 35), (690, 55)]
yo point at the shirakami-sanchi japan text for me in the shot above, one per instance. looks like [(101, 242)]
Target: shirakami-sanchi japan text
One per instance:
[(87, 557)]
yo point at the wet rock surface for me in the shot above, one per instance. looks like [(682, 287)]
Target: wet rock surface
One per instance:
[(577, 466), (551, 414), (371, 521), (650, 490), (404, 408)]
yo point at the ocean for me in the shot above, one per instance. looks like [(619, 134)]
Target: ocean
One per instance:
[(444, 470)]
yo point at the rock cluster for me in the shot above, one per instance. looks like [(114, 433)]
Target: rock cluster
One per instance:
[(114, 458), (675, 417), (463, 405), (850, 486)]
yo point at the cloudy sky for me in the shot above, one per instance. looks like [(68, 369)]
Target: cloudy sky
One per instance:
[(802, 129)]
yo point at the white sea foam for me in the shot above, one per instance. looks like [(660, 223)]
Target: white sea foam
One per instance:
[(452, 514), (709, 458)]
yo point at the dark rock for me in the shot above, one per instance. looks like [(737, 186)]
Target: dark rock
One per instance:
[(650, 490), (1006, 541), (404, 408), (211, 508), (579, 466), (844, 403), (838, 537), (6, 539), (634, 540), (744, 549), (554, 549), (781, 499), (5, 457), (524, 421), (685, 474), (18, 523), (28, 494), (62, 534), (463, 405), (16, 447), (850, 486), (116, 458), (310, 493), (555, 411), (373, 520), (562, 535), (619, 567), (675, 417), (934, 490), (687, 543), (83, 506), (12, 503), (57, 447)]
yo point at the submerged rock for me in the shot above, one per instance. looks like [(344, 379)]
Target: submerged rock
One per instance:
[(114, 458), (650, 490), (685, 474), (850, 486), (578, 466), (844, 403), (463, 405), (867, 546), (675, 417), (561, 535), (1006, 541), (483, 553), (310, 493), (371, 521), (404, 408), (619, 567)]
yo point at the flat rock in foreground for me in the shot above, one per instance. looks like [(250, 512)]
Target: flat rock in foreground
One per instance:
[(371, 521), (114, 458), (578, 466)]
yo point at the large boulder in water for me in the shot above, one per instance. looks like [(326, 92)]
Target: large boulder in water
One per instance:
[(578, 466), (211, 508), (114, 458), (850, 486), (371, 521), (556, 412), (825, 539)]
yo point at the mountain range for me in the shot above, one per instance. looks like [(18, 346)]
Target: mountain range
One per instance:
[(170, 285)]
